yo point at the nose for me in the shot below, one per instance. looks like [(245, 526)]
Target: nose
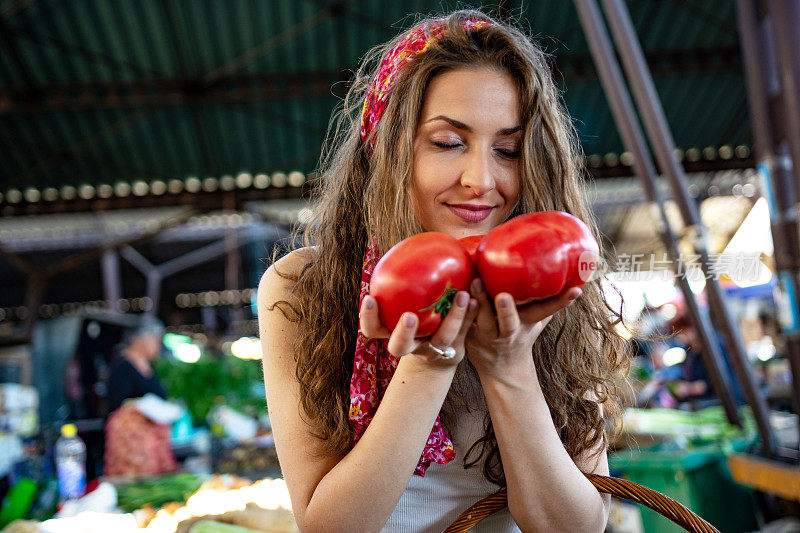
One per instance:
[(477, 173)]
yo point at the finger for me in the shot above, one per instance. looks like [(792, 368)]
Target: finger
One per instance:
[(536, 311), (401, 341), (485, 318), (469, 318), (451, 325), (507, 318), (369, 320)]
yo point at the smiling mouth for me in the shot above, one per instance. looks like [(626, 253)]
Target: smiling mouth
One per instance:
[(470, 213)]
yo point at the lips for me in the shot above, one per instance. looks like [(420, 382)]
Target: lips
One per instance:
[(470, 212)]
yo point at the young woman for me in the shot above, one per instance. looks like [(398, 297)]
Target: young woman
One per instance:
[(458, 129)]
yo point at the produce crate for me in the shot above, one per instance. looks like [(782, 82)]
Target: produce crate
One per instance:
[(697, 477)]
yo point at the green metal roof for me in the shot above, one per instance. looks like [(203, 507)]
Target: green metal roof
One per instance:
[(99, 91)]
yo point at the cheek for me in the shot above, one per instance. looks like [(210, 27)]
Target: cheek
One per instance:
[(511, 189), (427, 183)]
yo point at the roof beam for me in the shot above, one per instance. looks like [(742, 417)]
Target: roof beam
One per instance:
[(156, 93), (79, 259), (172, 92)]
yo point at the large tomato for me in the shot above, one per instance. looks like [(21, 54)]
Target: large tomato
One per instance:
[(583, 252), (535, 256), (420, 274)]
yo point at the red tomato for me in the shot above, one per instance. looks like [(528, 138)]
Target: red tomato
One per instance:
[(420, 274), (583, 254), (471, 244), (534, 256)]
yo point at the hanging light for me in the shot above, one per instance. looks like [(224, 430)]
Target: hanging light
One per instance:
[(193, 184), (244, 180), (278, 180), (296, 179), (122, 189), (227, 183)]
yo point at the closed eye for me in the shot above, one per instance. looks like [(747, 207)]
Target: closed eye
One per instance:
[(511, 154), (446, 145), (508, 153)]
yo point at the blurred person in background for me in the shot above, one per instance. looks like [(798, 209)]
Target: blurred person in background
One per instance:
[(132, 375), (694, 382), (135, 445)]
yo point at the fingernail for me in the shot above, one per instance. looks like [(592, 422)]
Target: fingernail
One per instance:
[(410, 320), (462, 299), (473, 304), (504, 301), (370, 302), (575, 295), (477, 286)]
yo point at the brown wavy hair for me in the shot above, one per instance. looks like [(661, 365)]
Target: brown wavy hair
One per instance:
[(362, 191)]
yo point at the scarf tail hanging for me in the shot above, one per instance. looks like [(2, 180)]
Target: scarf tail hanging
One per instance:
[(373, 368)]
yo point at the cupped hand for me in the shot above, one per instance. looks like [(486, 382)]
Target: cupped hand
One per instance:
[(402, 340), (502, 338)]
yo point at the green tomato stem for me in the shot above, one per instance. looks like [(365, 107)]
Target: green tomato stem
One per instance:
[(443, 304)]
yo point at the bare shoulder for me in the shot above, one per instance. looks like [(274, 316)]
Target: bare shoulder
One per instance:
[(276, 283), (278, 307)]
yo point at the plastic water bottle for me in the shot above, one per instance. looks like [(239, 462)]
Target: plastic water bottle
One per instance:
[(70, 463)]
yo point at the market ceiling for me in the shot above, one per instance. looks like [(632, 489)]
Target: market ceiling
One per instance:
[(155, 102)]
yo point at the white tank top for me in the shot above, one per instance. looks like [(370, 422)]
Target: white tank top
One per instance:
[(431, 503)]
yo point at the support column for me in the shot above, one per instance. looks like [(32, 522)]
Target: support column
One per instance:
[(633, 139), (773, 89), (112, 285), (658, 132)]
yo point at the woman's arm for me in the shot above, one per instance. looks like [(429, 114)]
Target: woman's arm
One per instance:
[(357, 491), (546, 489)]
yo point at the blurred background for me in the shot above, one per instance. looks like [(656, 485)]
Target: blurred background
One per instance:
[(155, 152)]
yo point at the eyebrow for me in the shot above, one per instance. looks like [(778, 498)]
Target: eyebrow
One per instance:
[(460, 125)]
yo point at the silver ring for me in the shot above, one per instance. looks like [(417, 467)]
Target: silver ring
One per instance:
[(448, 352)]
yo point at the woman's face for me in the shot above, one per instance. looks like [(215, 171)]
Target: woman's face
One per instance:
[(465, 178)]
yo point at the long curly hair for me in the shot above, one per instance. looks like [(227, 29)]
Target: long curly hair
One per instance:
[(362, 191)]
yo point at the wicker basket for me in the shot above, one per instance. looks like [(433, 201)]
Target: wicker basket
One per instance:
[(610, 485)]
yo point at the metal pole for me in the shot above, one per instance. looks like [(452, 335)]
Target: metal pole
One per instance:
[(154, 290), (785, 16), (774, 165), (37, 285), (233, 260), (112, 286), (633, 138), (661, 139)]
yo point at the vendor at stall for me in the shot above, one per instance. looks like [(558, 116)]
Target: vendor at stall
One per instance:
[(694, 382), (136, 444), (132, 375)]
